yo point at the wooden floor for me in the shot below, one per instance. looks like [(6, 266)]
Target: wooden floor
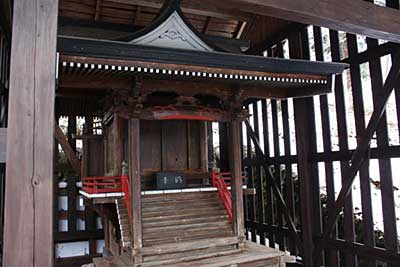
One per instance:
[(251, 256)]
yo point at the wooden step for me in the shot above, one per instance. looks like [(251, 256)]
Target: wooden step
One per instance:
[(178, 197), (186, 227), (167, 217), (183, 220), (187, 246), (188, 257), (168, 201), (180, 205), (184, 216), (201, 211), (187, 230), (252, 255), (217, 233)]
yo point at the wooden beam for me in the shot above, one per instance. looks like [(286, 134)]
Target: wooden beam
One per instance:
[(69, 151), (203, 146), (363, 251), (67, 22), (28, 230), (97, 10), (276, 38), (134, 167), (118, 147), (206, 25), (195, 8), (235, 128), (305, 145), (385, 165), (114, 31), (352, 16), (79, 87), (360, 155)]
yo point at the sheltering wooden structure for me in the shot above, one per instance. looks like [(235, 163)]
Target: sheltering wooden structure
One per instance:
[(157, 78)]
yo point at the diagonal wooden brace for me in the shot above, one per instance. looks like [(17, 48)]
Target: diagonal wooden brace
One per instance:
[(361, 153), (62, 139), (275, 188)]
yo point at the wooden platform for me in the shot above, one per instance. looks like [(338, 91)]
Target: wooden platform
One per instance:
[(252, 255)]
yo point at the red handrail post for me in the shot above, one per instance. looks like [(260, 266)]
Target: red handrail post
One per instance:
[(224, 193), (126, 190)]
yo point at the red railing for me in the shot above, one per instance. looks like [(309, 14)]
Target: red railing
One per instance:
[(218, 181), (109, 184)]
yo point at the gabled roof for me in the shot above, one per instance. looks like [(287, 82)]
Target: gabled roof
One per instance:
[(171, 47), (172, 30)]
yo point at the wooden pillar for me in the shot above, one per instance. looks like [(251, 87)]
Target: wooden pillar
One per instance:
[(210, 142), (237, 186), (72, 132), (223, 147), (306, 145), (118, 148), (28, 239), (136, 206), (203, 146)]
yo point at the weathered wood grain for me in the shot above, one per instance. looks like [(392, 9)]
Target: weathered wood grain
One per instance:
[(235, 128), (134, 168), (28, 239)]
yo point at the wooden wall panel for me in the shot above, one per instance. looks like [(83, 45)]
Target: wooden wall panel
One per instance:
[(174, 145), (193, 145), (171, 146), (96, 157), (150, 146)]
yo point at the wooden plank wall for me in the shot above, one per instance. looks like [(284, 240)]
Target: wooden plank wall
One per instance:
[(172, 146), (92, 165), (302, 162)]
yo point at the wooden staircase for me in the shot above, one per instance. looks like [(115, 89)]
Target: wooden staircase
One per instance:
[(185, 226), (124, 225), (188, 230)]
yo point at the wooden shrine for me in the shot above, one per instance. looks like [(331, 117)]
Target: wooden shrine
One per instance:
[(201, 133), (159, 90)]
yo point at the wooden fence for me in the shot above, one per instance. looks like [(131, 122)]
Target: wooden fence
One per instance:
[(308, 144)]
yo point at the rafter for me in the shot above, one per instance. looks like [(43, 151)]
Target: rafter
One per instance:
[(195, 8), (98, 10), (352, 16)]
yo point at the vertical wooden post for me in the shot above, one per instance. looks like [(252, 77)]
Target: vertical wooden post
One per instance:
[(28, 239), (136, 206), (223, 146), (303, 110), (210, 142), (203, 146), (71, 132), (118, 125), (237, 185)]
